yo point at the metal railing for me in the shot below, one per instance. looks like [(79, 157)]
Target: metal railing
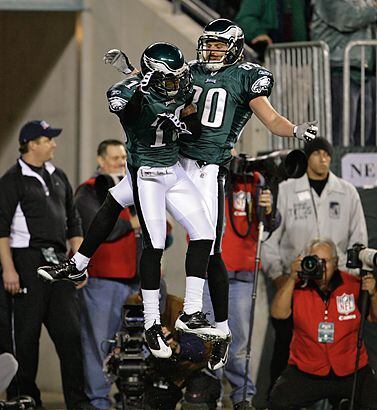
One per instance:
[(303, 89), (347, 114), (302, 77)]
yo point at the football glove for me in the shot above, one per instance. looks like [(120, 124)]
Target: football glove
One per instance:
[(118, 60), (306, 132), (169, 121), (148, 81)]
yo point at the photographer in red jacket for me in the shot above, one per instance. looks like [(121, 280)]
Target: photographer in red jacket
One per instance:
[(245, 196), (326, 321), (112, 270)]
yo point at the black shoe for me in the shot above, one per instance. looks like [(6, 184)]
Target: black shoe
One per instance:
[(21, 402), (219, 354), (63, 271), (243, 405), (157, 342), (197, 324)]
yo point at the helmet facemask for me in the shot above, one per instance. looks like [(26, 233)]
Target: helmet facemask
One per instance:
[(223, 31), (169, 85)]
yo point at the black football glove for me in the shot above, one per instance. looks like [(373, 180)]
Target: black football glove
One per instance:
[(169, 121), (148, 80)]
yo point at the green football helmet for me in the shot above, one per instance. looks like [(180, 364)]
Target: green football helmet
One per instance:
[(223, 31), (172, 73)]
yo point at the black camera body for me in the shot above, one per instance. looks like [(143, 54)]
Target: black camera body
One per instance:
[(127, 363), (312, 268), (361, 257)]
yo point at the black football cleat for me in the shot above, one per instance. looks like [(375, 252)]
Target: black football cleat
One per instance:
[(197, 324), (219, 354), (157, 343), (63, 271)]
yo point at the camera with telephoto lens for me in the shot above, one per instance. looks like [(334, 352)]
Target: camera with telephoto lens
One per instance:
[(280, 164), (361, 257), (312, 267)]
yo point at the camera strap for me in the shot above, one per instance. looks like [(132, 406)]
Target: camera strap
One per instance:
[(315, 209)]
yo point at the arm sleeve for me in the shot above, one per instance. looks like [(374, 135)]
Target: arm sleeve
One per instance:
[(125, 100), (250, 18), (74, 226), (344, 16), (131, 112), (9, 199)]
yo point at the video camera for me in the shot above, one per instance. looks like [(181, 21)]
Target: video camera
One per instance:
[(312, 268), (279, 164), (127, 361), (361, 257)]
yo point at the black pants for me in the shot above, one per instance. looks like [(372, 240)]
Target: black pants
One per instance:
[(56, 306), (295, 389)]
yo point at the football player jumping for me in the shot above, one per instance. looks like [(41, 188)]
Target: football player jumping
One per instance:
[(154, 109), (227, 92)]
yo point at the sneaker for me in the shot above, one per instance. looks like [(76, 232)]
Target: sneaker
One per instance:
[(156, 342), (20, 402), (63, 271), (219, 354), (197, 324)]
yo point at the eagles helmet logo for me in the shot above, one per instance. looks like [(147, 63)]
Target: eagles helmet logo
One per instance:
[(261, 84)]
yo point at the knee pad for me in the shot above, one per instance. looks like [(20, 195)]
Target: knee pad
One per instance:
[(197, 257), (150, 268)]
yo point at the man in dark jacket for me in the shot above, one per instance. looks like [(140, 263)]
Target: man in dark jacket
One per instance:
[(37, 216)]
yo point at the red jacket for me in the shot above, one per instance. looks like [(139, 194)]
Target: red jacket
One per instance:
[(316, 358), (116, 259), (239, 253)]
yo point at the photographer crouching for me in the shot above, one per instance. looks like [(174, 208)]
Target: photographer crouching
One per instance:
[(324, 304)]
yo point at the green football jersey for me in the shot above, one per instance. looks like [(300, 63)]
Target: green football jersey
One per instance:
[(146, 143), (222, 100)]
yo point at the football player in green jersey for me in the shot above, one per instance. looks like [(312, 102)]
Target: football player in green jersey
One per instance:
[(227, 92), (154, 111)]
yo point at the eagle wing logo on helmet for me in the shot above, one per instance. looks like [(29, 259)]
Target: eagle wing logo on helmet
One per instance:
[(261, 84)]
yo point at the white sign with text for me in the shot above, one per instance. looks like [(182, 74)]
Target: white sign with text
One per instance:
[(360, 169)]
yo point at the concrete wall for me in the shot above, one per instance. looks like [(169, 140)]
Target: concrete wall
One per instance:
[(51, 68)]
